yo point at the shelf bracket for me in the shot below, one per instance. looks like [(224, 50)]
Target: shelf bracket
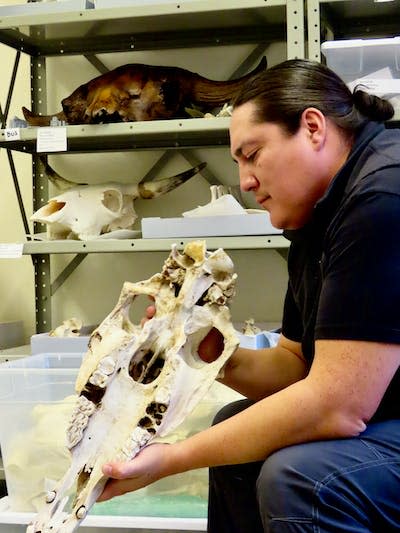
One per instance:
[(42, 293), (295, 29)]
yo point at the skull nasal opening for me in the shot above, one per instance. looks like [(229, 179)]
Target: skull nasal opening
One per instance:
[(145, 368)]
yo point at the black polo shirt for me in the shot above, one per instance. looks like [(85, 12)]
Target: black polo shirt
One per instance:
[(344, 265)]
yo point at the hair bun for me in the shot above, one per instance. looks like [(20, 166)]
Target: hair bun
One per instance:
[(371, 106)]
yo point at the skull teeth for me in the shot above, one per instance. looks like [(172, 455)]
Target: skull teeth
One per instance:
[(138, 438), (99, 379), (106, 366), (86, 406), (81, 512), (79, 421), (50, 496)]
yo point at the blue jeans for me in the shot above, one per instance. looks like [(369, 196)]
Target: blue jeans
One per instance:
[(345, 485)]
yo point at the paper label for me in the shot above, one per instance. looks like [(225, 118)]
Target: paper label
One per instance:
[(51, 139), (12, 134), (11, 250)]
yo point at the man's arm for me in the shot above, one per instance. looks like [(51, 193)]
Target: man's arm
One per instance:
[(336, 399), (259, 373)]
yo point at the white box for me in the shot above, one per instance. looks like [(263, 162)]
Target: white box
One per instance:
[(34, 8), (101, 4), (45, 343), (224, 225), (374, 63)]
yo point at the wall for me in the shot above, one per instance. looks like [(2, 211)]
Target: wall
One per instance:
[(92, 290), (16, 275)]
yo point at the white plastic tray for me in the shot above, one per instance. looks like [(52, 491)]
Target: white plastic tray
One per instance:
[(223, 225), (12, 522), (45, 7)]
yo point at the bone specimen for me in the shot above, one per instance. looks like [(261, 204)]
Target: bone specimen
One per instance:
[(136, 383), (87, 211), (142, 92), (69, 328)]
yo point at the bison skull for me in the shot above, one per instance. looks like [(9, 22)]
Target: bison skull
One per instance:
[(136, 383), (87, 211)]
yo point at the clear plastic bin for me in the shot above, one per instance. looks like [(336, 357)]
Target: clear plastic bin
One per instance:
[(373, 63), (36, 400)]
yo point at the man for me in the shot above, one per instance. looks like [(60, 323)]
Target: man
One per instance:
[(317, 445)]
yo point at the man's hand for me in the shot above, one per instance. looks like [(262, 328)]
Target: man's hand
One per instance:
[(151, 464), (150, 312), (211, 346)]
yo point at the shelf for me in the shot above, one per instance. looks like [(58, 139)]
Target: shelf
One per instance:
[(152, 245), (153, 134), (147, 26), (156, 25)]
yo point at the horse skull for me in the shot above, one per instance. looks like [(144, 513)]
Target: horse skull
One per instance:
[(136, 383)]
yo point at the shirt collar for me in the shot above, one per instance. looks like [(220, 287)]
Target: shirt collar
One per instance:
[(328, 203)]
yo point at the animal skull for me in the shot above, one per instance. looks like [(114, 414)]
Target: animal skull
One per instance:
[(136, 383), (137, 92), (87, 211)]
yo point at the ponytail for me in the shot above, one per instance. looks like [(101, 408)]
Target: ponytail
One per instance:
[(281, 93)]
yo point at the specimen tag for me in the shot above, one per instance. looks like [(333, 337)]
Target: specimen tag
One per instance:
[(11, 250), (12, 134), (51, 139)]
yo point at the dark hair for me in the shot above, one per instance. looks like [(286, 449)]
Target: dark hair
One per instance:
[(282, 92)]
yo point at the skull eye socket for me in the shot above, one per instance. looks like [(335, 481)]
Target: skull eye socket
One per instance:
[(112, 200), (53, 206)]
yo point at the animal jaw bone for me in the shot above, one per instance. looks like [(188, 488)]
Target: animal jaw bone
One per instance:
[(138, 92), (87, 211), (137, 383)]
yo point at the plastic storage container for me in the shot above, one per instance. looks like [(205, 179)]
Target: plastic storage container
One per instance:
[(36, 400), (374, 63)]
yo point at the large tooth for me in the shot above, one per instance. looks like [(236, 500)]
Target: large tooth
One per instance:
[(86, 406), (99, 379), (107, 366)]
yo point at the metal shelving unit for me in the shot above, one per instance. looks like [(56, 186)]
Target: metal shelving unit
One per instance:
[(151, 245), (155, 26), (168, 134)]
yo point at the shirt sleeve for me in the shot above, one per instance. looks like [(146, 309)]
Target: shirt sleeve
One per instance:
[(360, 292), (291, 322)]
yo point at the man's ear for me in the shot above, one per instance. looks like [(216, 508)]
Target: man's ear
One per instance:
[(315, 126)]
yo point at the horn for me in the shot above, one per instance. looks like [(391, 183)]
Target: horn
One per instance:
[(215, 93), (41, 120), (152, 189), (58, 181)]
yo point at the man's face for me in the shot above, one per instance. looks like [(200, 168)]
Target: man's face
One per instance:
[(282, 171)]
